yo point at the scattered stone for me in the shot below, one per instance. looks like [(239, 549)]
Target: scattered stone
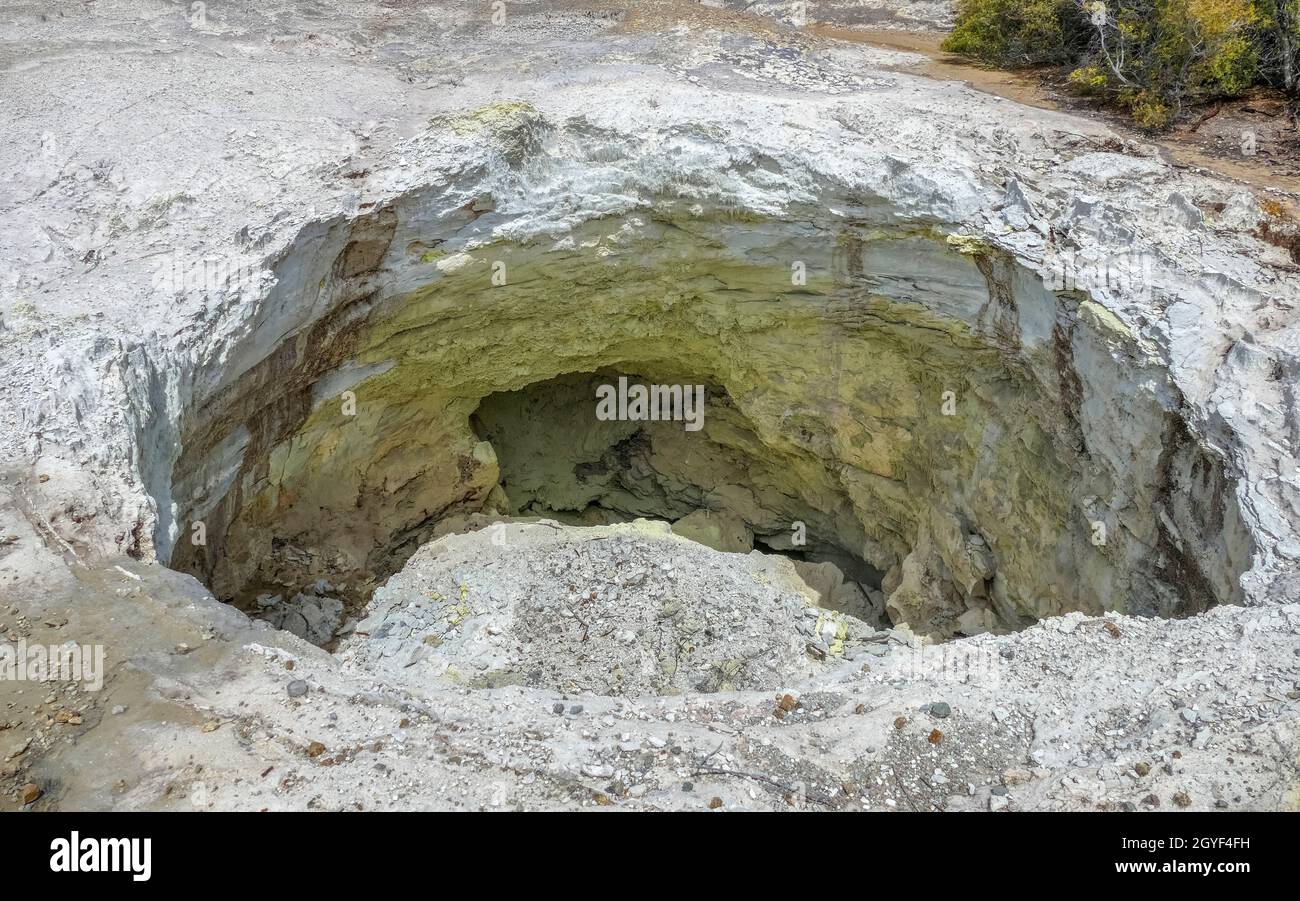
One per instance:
[(211, 726), (934, 737), (999, 790), (900, 722), (714, 803), (312, 618), (1142, 768), (30, 793), (940, 710), (315, 749), (976, 622), (1113, 629), (1182, 799), (557, 708), (297, 688)]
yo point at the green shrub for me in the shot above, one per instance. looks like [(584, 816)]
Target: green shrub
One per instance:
[(1234, 69), (1149, 57), (1016, 33), (1088, 80), (1148, 110)]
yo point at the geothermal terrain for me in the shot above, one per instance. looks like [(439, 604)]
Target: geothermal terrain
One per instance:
[(992, 504)]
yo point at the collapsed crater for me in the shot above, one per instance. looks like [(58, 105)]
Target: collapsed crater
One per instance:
[(974, 450)]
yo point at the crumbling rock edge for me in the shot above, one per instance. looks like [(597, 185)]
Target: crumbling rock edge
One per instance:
[(1074, 713)]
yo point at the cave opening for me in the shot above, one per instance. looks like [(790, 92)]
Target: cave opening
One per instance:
[(707, 477)]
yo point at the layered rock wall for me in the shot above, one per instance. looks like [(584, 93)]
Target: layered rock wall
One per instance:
[(921, 401)]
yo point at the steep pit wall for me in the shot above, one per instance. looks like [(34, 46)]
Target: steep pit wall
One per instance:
[(997, 450)]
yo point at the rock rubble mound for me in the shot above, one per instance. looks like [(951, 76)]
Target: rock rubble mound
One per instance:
[(628, 610)]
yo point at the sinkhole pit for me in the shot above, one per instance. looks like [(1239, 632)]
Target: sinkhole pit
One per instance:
[(972, 449)]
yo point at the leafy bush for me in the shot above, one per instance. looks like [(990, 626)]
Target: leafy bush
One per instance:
[(1150, 57), (1147, 109), (1016, 33), (1088, 80)]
